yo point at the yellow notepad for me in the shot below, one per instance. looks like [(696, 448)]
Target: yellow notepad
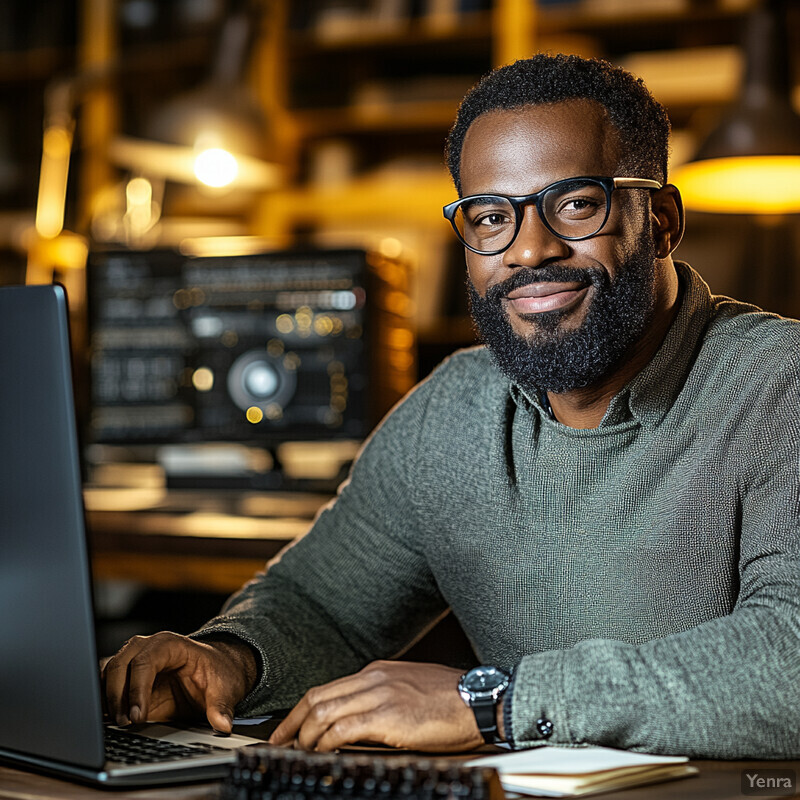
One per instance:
[(579, 771)]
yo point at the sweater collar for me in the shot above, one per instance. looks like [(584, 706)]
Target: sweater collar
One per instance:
[(650, 393)]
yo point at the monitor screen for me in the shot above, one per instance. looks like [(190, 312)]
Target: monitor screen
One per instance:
[(254, 348)]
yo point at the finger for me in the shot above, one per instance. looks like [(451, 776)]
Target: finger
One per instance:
[(326, 714), (115, 678), (113, 686), (219, 710), (142, 674), (285, 732), (349, 684), (290, 725), (162, 652), (363, 727), (103, 699)]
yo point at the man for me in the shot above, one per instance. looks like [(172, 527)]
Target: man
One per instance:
[(606, 496)]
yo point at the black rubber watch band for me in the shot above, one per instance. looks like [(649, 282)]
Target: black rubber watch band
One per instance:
[(485, 715), (487, 721)]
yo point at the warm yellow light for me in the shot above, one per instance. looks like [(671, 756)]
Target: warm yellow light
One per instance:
[(203, 379), (178, 163), (139, 192), (56, 148), (67, 251), (254, 414), (142, 212), (400, 338), (284, 323), (391, 247), (754, 185), (323, 325), (304, 317), (216, 167)]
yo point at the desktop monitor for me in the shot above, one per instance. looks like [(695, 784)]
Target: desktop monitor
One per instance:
[(255, 349)]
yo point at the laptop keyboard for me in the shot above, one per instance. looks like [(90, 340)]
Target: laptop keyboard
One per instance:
[(132, 748)]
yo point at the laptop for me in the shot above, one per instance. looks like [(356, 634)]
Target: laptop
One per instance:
[(50, 701)]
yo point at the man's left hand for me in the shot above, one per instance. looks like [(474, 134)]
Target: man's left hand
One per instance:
[(396, 703)]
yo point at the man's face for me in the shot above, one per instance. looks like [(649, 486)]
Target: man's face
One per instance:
[(557, 315)]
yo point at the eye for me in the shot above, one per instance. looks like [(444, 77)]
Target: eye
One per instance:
[(487, 213), (579, 201), (578, 207), (491, 219)]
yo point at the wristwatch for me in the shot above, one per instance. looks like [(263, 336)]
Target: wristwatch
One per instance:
[(481, 689)]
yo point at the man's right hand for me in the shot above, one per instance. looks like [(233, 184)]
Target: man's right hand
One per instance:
[(167, 676)]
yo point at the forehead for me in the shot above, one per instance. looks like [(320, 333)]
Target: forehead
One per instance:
[(522, 150)]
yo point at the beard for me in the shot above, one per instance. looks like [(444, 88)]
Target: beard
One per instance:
[(551, 358)]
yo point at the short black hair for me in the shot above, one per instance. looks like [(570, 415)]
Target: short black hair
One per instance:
[(640, 120)]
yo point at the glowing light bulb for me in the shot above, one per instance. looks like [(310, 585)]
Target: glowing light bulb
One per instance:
[(216, 167)]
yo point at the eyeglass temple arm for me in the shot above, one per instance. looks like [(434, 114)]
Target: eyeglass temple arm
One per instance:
[(636, 183)]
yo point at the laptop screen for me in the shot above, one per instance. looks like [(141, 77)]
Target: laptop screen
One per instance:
[(49, 683)]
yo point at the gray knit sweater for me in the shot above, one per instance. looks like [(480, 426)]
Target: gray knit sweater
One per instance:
[(640, 578)]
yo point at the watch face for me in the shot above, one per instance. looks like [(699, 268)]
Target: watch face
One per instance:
[(484, 680)]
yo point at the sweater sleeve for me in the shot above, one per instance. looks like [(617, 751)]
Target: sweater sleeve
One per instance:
[(354, 589), (728, 688)]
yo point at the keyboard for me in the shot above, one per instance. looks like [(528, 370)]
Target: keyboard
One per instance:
[(126, 747), (271, 773)]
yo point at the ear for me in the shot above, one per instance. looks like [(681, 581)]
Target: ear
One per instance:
[(668, 219)]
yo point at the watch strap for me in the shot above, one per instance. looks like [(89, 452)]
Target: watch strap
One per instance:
[(484, 711)]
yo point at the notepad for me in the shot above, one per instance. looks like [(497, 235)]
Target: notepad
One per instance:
[(580, 771)]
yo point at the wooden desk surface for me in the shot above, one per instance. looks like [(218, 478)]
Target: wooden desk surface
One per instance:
[(718, 780), (212, 540), (18, 785)]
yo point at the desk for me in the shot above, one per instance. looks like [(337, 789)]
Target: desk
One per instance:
[(201, 540), (718, 780)]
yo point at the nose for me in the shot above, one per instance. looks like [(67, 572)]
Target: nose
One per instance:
[(535, 245)]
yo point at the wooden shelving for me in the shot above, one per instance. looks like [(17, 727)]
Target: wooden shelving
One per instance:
[(409, 35), (357, 86), (637, 20), (31, 66), (378, 118), (356, 89)]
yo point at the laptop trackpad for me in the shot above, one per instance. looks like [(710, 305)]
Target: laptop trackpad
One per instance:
[(189, 736)]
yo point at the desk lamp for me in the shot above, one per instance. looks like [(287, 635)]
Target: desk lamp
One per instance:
[(215, 135)]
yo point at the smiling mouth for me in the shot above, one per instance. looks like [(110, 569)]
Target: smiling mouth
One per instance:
[(539, 298)]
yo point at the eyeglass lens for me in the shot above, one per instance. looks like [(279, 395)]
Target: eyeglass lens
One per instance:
[(575, 209)]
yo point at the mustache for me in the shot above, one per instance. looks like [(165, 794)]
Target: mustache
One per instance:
[(552, 273)]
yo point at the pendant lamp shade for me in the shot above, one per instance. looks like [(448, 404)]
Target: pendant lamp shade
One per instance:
[(750, 164)]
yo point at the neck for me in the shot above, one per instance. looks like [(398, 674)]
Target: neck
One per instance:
[(586, 407)]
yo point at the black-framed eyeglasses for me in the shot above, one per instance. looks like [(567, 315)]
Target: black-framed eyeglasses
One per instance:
[(572, 209)]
